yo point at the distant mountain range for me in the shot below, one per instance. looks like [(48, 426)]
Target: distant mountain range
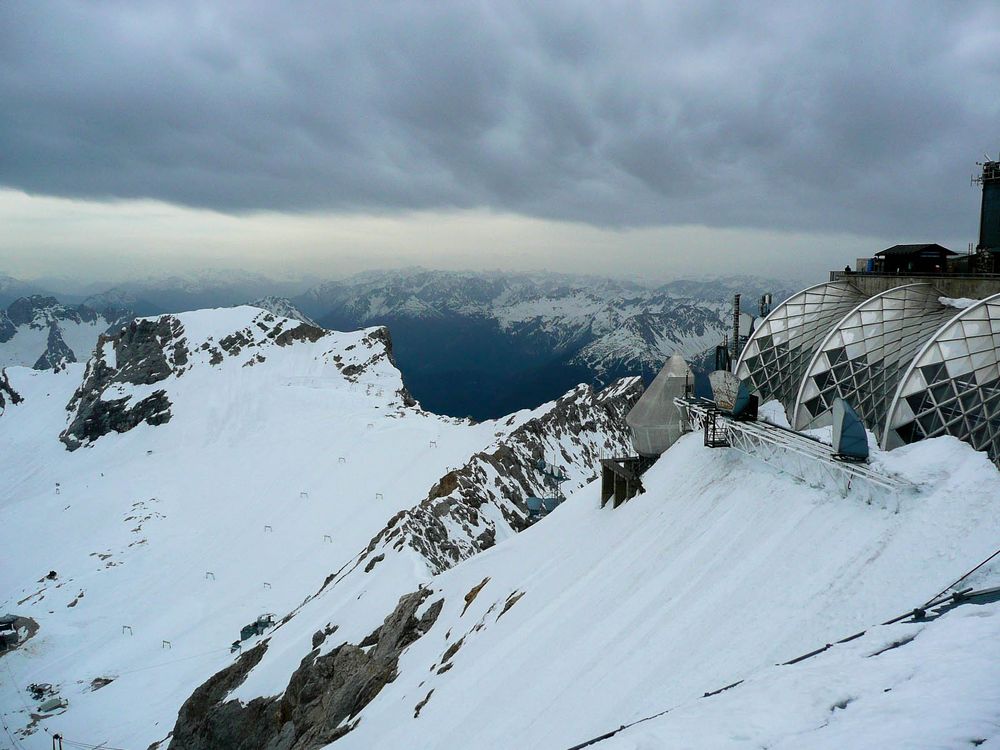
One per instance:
[(468, 343), (484, 344), (39, 332)]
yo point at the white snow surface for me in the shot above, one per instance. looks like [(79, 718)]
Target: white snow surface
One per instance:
[(721, 569), (959, 302), (939, 689)]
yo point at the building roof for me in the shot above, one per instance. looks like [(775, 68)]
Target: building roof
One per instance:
[(905, 250)]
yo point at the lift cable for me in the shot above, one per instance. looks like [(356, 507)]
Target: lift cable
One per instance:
[(173, 661), (953, 585), (87, 746), (17, 745), (959, 597)]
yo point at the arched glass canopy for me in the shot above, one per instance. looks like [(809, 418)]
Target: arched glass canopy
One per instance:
[(952, 386), (911, 364), (862, 358), (778, 352)]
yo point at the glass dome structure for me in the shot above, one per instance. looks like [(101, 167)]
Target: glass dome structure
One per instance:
[(910, 363), (862, 358)]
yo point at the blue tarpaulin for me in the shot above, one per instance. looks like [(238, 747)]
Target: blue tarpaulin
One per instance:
[(849, 437)]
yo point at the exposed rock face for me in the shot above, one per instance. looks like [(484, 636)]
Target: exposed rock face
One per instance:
[(283, 307), (203, 707), (7, 393), (470, 507), (57, 354), (322, 696), (140, 358), (7, 327), (380, 340)]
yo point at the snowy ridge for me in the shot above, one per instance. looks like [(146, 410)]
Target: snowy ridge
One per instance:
[(124, 383), (482, 502), (284, 308), (280, 462)]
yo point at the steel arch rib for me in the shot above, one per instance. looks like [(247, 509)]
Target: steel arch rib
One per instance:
[(934, 338), (829, 335), (767, 318)]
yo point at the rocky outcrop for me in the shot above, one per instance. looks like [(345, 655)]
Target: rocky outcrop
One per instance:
[(470, 508), (283, 307), (7, 393), (39, 313), (57, 354), (380, 340), (141, 356), (7, 327), (322, 697)]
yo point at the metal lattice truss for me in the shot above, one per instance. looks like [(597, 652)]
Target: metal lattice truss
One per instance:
[(780, 349), (800, 456)]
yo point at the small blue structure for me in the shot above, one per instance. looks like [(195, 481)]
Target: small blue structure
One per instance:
[(534, 507), (745, 405), (850, 441), (733, 396), (257, 627), (553, 476)]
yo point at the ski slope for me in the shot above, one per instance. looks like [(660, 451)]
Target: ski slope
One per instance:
[(166, 540)]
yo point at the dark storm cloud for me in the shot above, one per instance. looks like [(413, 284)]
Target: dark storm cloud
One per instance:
[(834, 117)]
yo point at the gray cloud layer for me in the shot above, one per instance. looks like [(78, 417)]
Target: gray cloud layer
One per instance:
[(861, 117)]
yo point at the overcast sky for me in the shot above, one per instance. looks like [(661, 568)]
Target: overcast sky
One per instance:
[(634, 138)]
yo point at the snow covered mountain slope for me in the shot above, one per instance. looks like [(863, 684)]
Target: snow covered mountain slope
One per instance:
[(595, 617), (142, 552), (283, 307), (39, 332)]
